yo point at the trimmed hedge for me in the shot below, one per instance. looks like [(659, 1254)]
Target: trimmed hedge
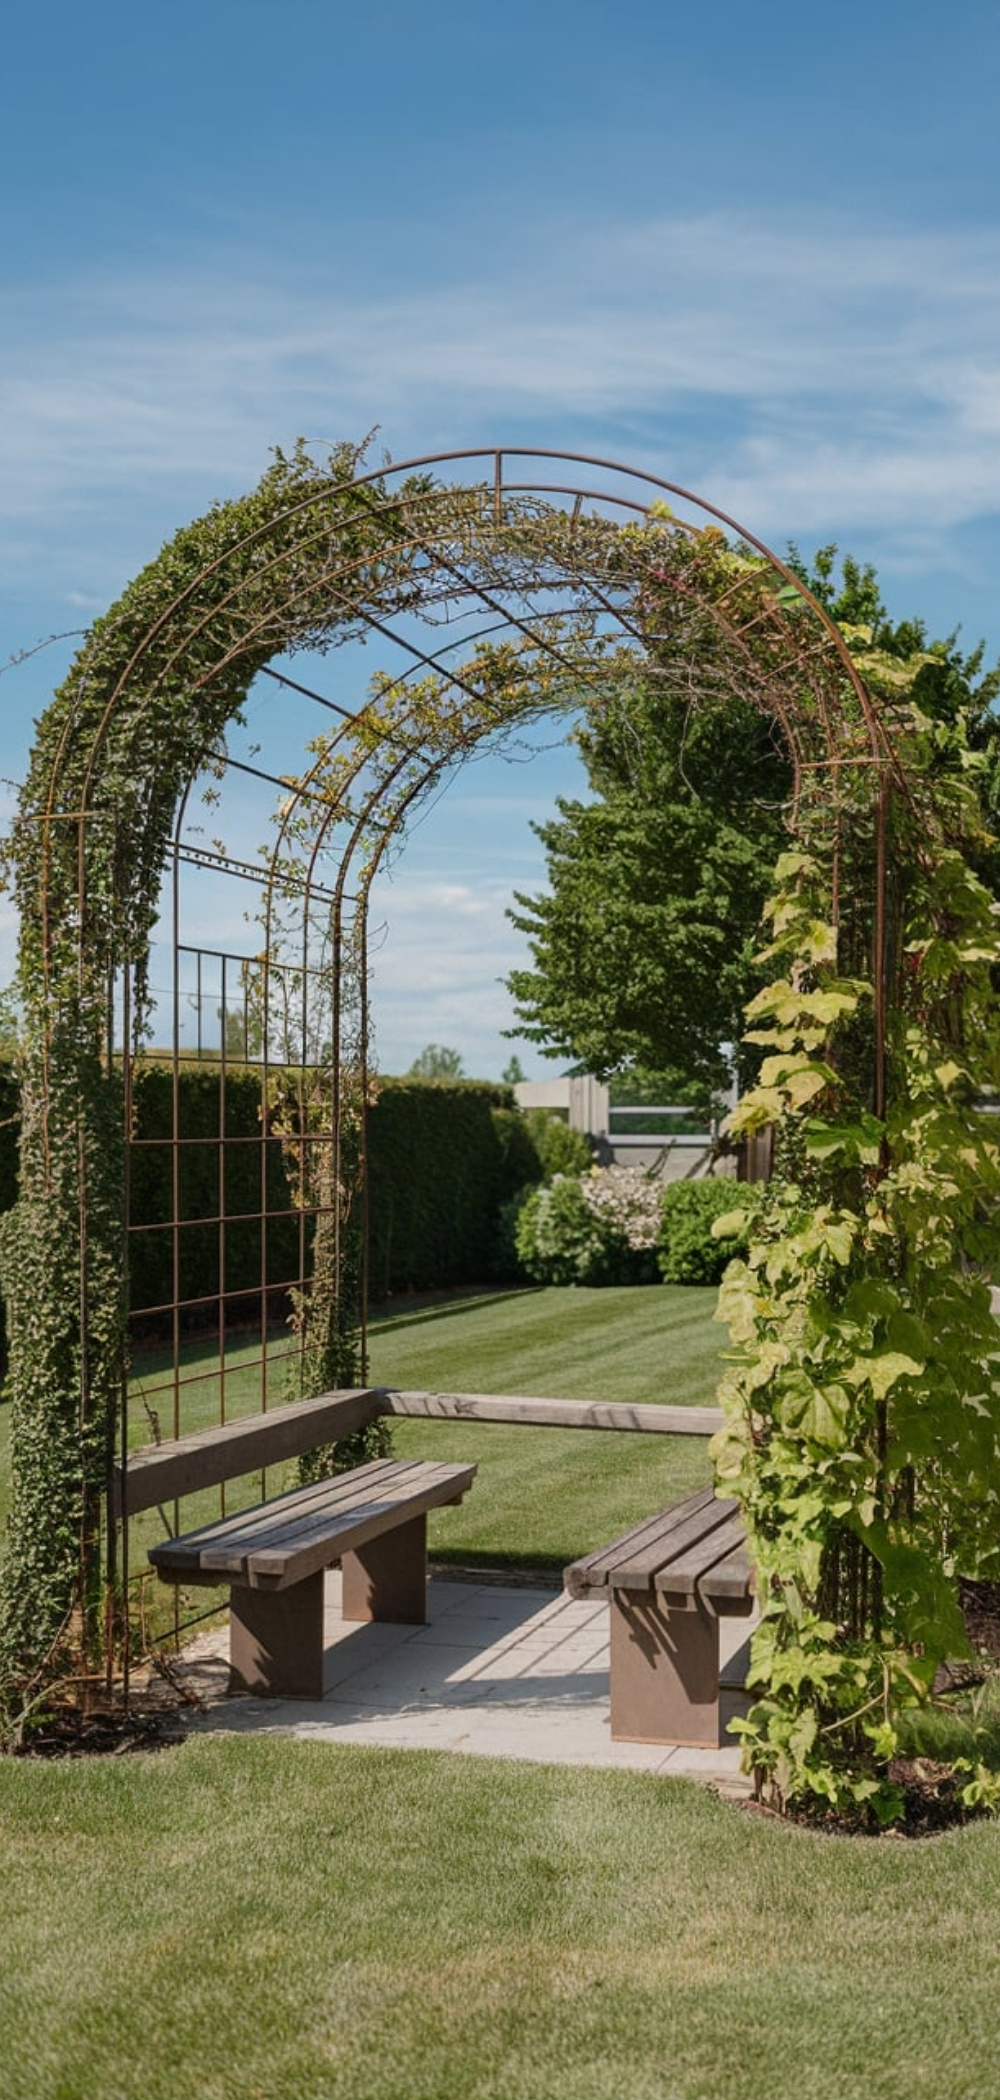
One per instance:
[(444, 1158), (239, 1178), (686, 1249)]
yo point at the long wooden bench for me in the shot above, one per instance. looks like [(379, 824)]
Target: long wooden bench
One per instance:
[(669, 1581), (372, 1520)]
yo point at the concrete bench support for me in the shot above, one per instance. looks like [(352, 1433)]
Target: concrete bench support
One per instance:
[(668, 1582), (664, 1672)]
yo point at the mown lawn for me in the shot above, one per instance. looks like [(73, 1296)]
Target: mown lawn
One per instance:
[(261, 1919), (542, 1496)]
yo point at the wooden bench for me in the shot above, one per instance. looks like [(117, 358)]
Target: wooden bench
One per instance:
[(274, 1556), (669, 1581)]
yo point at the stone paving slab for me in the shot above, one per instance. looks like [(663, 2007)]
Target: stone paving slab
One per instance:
[(496, 1672)]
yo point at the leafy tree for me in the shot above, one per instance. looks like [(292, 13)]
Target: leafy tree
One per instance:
[(642, 948), (513, 1072), (436, 1061), (242, 1032)]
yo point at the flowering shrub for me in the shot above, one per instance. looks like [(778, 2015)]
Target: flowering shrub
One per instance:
[(560, 1239), (598, 1228), (631, 1201)]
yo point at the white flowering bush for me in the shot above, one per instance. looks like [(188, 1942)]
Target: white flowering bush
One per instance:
[(595, 1228), (630, 1200)]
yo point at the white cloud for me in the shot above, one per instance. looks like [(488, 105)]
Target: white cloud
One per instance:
[(808, 380), (855, 373)]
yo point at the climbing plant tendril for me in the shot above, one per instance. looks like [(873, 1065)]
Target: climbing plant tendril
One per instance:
[(860, 1411)]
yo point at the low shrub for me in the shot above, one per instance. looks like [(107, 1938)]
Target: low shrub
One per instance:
[(686, 1248), (595, 1228), (628, 1199), (560, 1238)]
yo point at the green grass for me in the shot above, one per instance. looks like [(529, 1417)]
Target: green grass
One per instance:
[(544, 1496), (261, 1919)]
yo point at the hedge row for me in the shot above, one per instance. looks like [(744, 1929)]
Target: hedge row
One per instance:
[(443, 1159)]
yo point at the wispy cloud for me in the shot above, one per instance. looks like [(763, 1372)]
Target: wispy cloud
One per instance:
[(811, 375), (809, 380), (439, 958)]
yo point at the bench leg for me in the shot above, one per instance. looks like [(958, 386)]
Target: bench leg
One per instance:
[(276, 1640), (388, 1578), (664, 1672)]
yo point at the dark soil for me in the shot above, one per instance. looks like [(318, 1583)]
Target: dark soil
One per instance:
[(65, 1730), (981, 1611), (930, 1790)]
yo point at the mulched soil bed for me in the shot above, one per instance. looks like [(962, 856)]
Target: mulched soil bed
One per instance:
[(932, 1806), (67, 1731), (930, 1790), (981, 1611)]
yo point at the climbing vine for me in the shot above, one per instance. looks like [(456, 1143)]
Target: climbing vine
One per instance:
[(862, 1417)]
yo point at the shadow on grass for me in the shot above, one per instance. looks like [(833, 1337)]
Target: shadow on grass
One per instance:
[(448, 1308)]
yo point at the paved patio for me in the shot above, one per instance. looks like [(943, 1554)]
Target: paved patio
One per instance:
[(496, 1672)]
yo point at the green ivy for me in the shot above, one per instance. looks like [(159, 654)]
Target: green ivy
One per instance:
[(862, 1418), (152, 689)]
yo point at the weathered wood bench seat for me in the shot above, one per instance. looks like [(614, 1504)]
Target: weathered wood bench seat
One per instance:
[(669, 1581), (372, 1520), (274, 1556)]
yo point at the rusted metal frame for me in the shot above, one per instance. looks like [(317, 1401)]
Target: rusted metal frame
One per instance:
[(250, 1290), (351, 717), (776, 700), (582, 496), (475, 588), (241, 871), (394, 738), (479, 591), (175, 1195), (169, 612), (232, 599), (805, 661), (158, 1144), (769, 694), (305, 1209), (532, 637), (229, 1217), (152, 1386), (363, 1158), (377, 796), (210, 569), (725, 518), (237, 765), (360, 482), (356, 610), (221, 1187)]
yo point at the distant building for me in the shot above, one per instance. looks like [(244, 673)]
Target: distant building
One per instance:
[(661, 1139)]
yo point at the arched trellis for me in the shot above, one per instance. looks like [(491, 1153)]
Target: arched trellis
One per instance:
[(512, 591)]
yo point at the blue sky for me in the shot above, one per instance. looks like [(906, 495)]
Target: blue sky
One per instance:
[(754, 251)]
